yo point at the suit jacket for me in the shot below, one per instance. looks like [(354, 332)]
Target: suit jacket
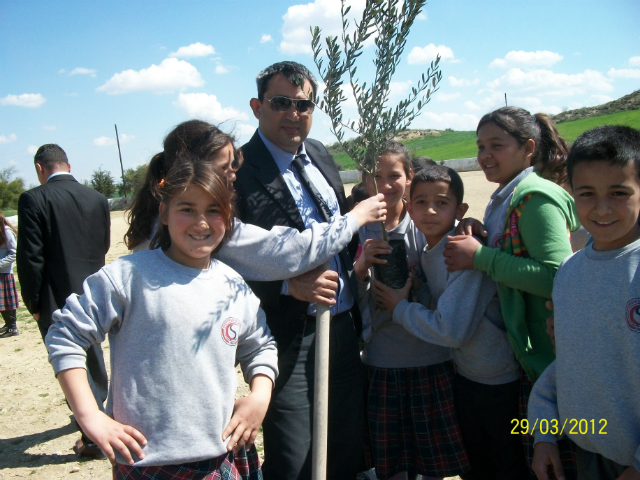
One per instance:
[(63, 237), (263, 199)]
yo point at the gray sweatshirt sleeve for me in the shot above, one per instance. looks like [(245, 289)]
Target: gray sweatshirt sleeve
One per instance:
[(543, 404), (283, 252), (10, 257), (256, 352), (459, 310), (83, 321)]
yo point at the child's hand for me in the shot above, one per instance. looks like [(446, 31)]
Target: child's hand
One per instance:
[(387, 297), (459, 252), (248, 414), (371, 210), (629, 474), (551, 331), (370, 248), (546, 456), (109, 435), (471, 226)]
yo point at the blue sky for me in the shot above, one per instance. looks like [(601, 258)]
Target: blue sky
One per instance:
[(70, 70)]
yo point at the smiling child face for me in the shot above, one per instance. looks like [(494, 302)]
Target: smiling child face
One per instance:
[(607, 201)]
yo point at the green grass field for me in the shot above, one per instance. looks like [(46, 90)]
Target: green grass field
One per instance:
[(452, 144)]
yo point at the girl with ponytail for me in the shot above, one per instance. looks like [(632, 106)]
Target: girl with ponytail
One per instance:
[(527, 225)]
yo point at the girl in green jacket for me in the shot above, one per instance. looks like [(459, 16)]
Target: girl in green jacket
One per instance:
[(527, 225)]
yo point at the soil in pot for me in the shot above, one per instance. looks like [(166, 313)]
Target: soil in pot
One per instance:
[(395, 272)]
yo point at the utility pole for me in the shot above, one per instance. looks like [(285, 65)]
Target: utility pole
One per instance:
[(120, 154)]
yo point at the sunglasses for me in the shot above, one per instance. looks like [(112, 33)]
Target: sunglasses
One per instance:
[(281, 104)]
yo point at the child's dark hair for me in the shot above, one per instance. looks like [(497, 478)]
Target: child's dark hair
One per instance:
[(418, 163), (440, 173), (199, 139), (550, 155), (396, 148), (616, 144), (189, 170), (4, 223), (359, 192)]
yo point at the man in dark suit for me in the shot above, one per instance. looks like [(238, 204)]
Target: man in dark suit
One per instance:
[(63, 237), (287, 179)]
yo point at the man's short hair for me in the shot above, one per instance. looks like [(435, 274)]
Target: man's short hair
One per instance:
[(616, 144), (50, 154), (293, 71), (440, 173)]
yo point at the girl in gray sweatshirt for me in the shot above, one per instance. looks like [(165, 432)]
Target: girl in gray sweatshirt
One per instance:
[(178, 322)]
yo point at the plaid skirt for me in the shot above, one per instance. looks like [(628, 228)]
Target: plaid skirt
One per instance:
[(566, 447), (8, 292), (412, 423), (245, 465)]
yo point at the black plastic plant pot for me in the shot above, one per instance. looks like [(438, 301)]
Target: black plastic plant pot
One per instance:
[(395, 272)]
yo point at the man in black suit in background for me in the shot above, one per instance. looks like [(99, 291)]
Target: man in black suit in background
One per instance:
[(63, 237), (287, 179)]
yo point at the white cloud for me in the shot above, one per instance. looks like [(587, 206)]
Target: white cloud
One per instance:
[(171, 75), (296, 37), (601, 98), (624, 73), (32, 149), (398, 89), (104, 141), (244, 129), (471, 105), (422, 16), (266, 38), (108, 141), (634, 61), (11, 138), (420, 56), (440, 121), (539, 58), (194, 50), (49, 128), (220, 69), (546, 82), (70, 94), (62, 70), (207, 107), (83, 71), (462, 82), (29, 100), (447, 97)]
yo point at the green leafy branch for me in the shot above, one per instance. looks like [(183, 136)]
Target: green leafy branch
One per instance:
[(377, 122)]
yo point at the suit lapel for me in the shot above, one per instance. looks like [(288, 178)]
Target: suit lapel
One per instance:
[(267, 173), (324, 162)]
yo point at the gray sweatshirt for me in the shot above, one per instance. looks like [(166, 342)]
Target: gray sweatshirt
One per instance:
[(464, 314), (596, 374), (175, 335), (389, 345), (8, 251), (282, 252)]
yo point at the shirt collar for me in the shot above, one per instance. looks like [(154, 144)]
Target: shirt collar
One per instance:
[(503, 193), (283, 159), (55, 174)]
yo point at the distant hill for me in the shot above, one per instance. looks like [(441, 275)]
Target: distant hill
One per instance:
[(448, 144), (623, 104)]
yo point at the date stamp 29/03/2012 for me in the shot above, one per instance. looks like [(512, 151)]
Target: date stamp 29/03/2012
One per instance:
[(571, 426)]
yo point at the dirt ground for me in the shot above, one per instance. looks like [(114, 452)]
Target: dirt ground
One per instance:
[(36, 431)]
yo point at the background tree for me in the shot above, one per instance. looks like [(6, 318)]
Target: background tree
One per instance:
[(377, 122), (102, 181), (133, 178), (10, 189)]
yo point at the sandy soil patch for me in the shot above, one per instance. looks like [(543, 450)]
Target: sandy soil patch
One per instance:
[(36, 433)]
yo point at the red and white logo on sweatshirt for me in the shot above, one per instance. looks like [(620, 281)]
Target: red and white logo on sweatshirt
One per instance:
[(633, 314), (231, 331)]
